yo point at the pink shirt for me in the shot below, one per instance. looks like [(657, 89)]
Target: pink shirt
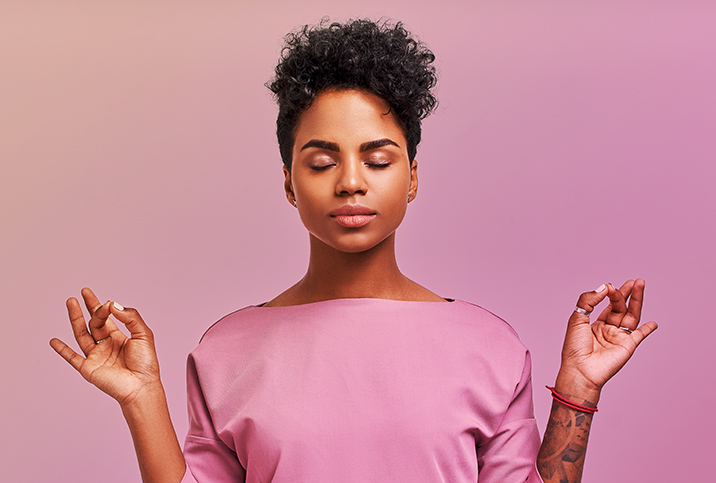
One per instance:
[(358, 390)]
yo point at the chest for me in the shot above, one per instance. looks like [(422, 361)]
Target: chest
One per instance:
[(320, 384)]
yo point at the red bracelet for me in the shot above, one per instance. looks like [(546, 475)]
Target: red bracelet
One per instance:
[(561, 399)]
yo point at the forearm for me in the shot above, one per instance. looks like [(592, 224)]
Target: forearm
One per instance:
[(564, 446), (155, 442)]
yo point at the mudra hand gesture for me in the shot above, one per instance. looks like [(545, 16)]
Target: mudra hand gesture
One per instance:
[(118, 365), (593, 353)]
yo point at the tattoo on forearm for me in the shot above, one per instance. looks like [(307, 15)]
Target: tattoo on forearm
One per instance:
[(561, 456)]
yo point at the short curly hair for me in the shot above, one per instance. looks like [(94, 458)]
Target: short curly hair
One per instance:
[(381, 58)]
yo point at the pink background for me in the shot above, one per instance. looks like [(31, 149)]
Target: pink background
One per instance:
[(574, 145)]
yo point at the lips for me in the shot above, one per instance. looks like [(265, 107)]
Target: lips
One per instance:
[(353, 216)]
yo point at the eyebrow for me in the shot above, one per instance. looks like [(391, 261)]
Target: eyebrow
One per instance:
[(367, 146), (315, 143), (377, 144)]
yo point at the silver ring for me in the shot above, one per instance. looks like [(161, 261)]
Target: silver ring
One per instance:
[(580, 310), (101, 340), (626, 329)]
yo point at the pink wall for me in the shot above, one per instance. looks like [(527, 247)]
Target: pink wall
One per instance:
[(574, 145)]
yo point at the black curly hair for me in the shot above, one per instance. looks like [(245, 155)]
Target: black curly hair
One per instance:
[(361, 54)]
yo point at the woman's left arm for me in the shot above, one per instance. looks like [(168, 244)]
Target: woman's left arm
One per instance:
[(591, 355)]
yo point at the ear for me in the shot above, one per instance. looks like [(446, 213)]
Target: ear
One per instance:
[(288, 187), (413, 190)]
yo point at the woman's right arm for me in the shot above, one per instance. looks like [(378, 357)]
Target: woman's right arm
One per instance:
[(126, 368)]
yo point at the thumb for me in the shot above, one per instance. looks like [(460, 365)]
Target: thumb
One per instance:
[(132, 320), (586, 304)]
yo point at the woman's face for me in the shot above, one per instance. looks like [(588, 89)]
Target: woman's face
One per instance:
[(351, 176)]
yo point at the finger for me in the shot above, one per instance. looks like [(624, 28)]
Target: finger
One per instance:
[(91, 301), (132, 320), (636, 301), (74, 359), (604, 314), (618, 306), (641, 333), (79, 328), (626, 288), (99, 325), (587, 301)]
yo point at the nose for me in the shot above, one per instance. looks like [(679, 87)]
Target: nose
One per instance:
[(351, 179)]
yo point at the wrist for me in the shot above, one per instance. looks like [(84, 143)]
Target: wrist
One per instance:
[(146, 399), (576, 388)]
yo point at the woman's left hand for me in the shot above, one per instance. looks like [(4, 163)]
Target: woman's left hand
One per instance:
[(593, 353)]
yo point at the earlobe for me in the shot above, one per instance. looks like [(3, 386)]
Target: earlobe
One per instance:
[(288, 187)]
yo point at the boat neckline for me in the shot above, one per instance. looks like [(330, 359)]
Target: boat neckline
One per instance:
[(354, 299)]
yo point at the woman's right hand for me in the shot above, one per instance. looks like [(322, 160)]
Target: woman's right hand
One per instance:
[(126, 368), (123, 367)]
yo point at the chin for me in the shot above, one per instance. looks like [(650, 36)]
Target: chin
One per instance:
[(355, 243), (353, 247)]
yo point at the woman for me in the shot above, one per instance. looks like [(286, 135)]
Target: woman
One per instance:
[(357, 373)]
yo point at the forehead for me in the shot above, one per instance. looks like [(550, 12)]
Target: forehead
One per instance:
[(348, 116)]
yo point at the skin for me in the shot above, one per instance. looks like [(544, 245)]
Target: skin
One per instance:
[(126, 368), (591, 355), (349, 149), (351, 262)]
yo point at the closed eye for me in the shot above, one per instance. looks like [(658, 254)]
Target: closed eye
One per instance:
[(322, 167)]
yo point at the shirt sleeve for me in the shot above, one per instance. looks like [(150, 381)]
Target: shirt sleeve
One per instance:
[(511, 454), (208, 458)]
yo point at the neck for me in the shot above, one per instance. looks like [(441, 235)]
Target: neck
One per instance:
[(334, 274)]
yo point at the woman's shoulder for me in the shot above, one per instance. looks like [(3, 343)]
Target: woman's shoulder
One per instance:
[(471, 319), (228, 320), (484, 316)]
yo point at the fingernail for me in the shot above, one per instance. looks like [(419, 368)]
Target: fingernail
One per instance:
[(117, 306), (601, 288)]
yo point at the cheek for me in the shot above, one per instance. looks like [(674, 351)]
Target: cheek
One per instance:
[(395, 190), (394, 201), (311, 202)]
